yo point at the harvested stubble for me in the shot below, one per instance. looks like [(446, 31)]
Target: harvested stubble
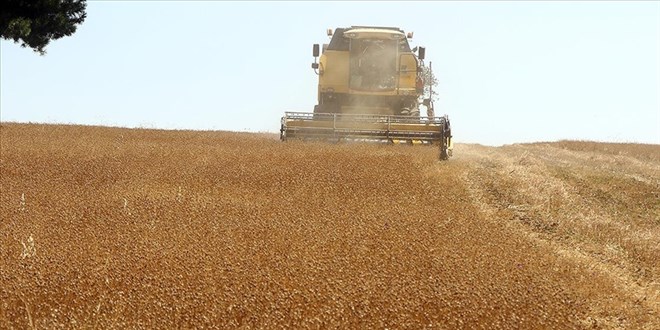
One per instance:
[(146, 228)]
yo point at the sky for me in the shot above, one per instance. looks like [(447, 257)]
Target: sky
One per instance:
[(509, 72)]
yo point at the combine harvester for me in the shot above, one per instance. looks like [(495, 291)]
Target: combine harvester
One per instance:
[(370, 86)]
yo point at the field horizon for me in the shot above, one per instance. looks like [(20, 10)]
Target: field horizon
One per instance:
[(276, 134)]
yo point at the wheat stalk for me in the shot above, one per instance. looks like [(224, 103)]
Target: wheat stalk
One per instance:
[(28, 249)]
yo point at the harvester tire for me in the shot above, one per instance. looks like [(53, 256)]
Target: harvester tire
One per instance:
[(444, 155)]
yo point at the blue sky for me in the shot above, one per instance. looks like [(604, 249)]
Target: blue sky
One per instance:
[(508, 71)]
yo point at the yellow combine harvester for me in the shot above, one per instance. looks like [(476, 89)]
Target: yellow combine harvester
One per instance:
[(370, 86)]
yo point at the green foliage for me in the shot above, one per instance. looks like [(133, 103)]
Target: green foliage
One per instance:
[(430, 81), (428, 95), (35, 23)]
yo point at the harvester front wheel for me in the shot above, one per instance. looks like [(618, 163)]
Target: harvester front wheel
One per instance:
[(444, 155), (445, 143)]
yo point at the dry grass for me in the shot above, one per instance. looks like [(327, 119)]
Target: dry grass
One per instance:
[(645, 152), (115, 228), (590, 203)]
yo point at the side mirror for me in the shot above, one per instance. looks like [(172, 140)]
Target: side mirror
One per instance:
[(315, 50), (315, 65), (422, 53)]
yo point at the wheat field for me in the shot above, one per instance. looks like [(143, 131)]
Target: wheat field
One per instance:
[(133, 228)]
